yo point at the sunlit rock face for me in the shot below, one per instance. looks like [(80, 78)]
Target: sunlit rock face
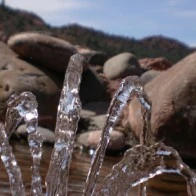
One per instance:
[(122, 65), (43, 49)]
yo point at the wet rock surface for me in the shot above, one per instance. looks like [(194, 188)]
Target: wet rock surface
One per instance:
[(173, 95), (45, 50), (122, 65)]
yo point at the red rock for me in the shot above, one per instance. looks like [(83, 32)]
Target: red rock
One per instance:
[(160, 63)]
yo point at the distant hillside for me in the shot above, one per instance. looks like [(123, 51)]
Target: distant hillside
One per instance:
[(14, 21)]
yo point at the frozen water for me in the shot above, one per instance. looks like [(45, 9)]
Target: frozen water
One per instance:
[(130, 87), (66, 127), (24, 107), (10, 163), (142, 163)]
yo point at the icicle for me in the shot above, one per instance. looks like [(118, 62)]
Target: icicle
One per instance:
[(66, 127), (10, 163), (130, 86), (24, 106), (142, 163)]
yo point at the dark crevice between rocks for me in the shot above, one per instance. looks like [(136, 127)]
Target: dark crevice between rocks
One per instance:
[(7, 87), (42, 84), (4, 67), (32, 75), (21, 69)]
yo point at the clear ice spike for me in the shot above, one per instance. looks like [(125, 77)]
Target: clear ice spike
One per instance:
[(11, 165), (142, 163), (66, 126), (12, 118), (24, 107), (130, 86)]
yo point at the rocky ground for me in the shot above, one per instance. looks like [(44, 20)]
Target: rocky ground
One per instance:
[(37, 63)]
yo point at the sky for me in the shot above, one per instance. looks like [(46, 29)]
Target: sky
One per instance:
[(130, 18)]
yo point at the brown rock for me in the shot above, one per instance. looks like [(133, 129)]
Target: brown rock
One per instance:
[(149, 75), (173, 96), (93, 57), (122, 65), (47, 135), (3, 36), (93, 115), (91, 139), (45, 50), (5, 50), (112, 87), (160, 63), (17, 76)]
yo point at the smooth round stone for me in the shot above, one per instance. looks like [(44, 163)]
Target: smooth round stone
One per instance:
[(43, 49), (149, 75), (122, 65), (90, 139), (93, 57), (47, 135)]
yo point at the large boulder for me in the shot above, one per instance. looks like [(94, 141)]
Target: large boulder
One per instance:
[(122, 65), (43, 49), (17, 76), (173, 96)]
